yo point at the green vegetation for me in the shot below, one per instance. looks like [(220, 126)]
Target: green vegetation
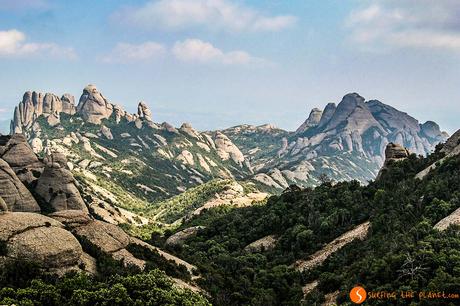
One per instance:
[(401, 252), (152, 288)]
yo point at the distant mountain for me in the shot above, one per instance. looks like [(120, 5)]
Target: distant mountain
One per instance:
[(130, 153), (345, 141)]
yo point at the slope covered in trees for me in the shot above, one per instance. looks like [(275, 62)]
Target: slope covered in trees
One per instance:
[(401, 252)]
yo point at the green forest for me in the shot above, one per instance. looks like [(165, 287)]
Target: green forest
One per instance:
[(402, 250)]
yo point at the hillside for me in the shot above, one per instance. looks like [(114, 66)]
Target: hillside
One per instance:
[(398, 233), (55, 249)]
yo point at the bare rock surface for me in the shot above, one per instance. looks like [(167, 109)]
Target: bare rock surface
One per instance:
[(34, 237), (15, 195), (359, 232), (93, 106), (263, 244), (180, 237), (57, 186), (107, 237), (20, 157)]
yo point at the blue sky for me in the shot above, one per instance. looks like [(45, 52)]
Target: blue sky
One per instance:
[(218, 63)]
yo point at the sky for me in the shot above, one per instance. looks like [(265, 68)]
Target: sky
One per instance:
[(220, 63)]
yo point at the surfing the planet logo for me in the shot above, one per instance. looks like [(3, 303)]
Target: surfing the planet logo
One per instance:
[(358, 295)]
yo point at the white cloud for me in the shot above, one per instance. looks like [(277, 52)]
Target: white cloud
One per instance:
[(13, 44), (213, 14), (124, 52), (198, 51), (3, 110), (429, 24)]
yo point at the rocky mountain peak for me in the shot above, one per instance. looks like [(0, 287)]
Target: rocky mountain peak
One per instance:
[(93, 106), (143, 111), (328, 112), (431, 129), (35, 104), (352, 114), (312, 120)]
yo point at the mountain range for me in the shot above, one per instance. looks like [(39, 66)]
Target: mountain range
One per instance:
[(97, 205), (344, 142)]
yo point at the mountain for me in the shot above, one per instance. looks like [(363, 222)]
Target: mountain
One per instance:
[(344, 142), (312, 246)]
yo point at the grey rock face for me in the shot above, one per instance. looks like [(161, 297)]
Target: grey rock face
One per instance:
[(312, 121), (144, 112), (15, 195), (20, 157), (34, 237), (57, 185), (35, 104), (93, 107), (328, 112)]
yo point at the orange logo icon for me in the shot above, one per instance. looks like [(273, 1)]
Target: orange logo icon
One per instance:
[(358, 295)]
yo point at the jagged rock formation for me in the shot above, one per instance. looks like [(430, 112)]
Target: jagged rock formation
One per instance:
[(20, 157), (93, 106), (144, 112), (313, 120), (35, 104), (393, 152)]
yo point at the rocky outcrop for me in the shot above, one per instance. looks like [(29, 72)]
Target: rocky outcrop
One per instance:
[(450, 148), (312, 121), (393, 152), (227, 150), (57, 186), (35, 104), (267, 243), (452, 219), (34, 237), (180, 237), (452, 143), (93, 106), (14, 194), (144, 112), (20, 157)]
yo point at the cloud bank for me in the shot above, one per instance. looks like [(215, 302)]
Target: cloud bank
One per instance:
[(211, 14), (13, 44), (125, 52), (407, 24)]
